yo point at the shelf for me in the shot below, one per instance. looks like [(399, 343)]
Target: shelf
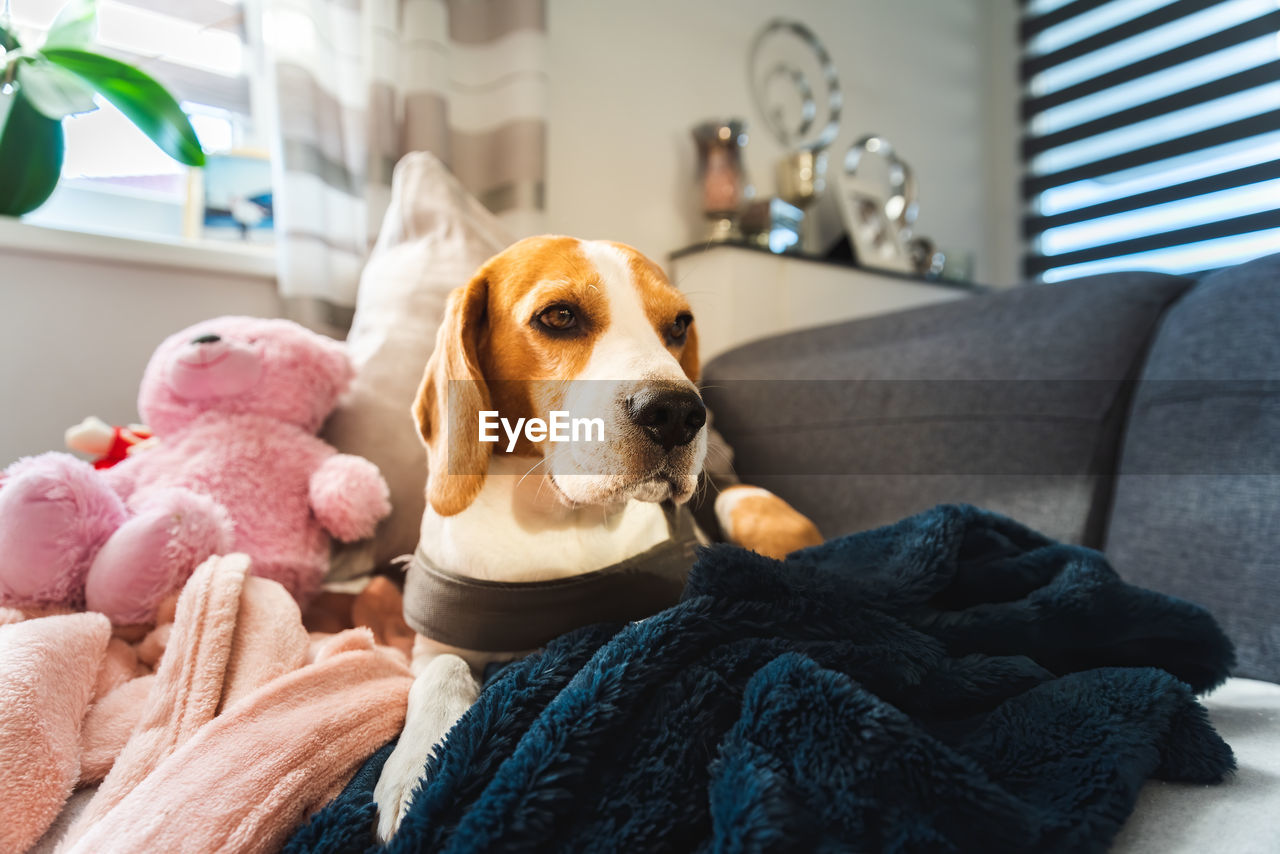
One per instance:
[(741, 293), (699, 248)]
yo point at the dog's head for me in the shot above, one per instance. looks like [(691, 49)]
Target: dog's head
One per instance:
[(590, 329)]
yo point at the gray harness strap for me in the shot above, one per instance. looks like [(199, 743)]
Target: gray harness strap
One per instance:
[(496, 616)]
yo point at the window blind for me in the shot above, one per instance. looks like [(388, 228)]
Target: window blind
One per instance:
[(1151, 134)]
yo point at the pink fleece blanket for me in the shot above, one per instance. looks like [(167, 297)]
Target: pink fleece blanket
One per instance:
[(238, 735), (246, 779), (48, 668)]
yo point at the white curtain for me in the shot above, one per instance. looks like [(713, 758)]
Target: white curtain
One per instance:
[(356, 84)]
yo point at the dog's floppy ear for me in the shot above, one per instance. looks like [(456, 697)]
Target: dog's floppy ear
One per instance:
[(452, 394), (689, 355)]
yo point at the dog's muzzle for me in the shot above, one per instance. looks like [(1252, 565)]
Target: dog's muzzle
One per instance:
[(669, 415)]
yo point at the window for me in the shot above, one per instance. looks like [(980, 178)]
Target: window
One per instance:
[(114, 179), (1152, 134)]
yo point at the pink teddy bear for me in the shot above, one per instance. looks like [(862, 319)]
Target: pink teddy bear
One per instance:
[(234, 404)]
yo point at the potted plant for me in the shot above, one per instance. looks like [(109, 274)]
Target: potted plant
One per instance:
[(39, 87)]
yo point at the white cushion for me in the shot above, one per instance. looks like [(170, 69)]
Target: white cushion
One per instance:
[(433, 238)]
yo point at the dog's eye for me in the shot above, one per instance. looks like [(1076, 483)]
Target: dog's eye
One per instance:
[(679, 328), (558, 318)]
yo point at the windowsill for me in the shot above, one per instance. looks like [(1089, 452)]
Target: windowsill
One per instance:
[(250, 261)]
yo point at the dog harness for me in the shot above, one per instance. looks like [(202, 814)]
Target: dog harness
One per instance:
[(503, 616)]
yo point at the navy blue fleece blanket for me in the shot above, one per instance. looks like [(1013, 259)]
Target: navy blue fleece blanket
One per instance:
[(954, 682)]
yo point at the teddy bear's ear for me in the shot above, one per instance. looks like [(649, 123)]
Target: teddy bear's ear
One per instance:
[(450, 398)]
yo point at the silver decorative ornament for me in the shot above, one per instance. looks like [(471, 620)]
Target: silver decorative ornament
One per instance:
[(811, 124)]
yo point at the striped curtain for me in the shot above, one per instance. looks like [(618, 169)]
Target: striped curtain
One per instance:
[(357, 84)]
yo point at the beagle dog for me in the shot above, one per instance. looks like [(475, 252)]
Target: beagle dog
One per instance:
[(526, 537)]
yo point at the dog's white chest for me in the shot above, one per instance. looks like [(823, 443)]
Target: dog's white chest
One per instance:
[(507, 534)]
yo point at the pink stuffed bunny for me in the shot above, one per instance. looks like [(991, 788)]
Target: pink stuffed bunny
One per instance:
[(234, 404)]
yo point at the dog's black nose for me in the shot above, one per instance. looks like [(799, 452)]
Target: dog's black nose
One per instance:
[(207, 339), (669, 416)]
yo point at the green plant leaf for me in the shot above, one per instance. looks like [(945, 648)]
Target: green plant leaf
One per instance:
[(6, 104), (144, 101), (54, 91), (31, 150), (75, 26), (8, 40)]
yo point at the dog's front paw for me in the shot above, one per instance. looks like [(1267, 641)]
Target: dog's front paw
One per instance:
[(756, 519), (440, 695)]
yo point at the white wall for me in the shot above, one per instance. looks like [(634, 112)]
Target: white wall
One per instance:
[(1001, 133), (629, 79), (76, 333), (627, 82)]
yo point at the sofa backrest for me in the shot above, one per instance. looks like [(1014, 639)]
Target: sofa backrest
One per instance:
[(1196, 510), (1013, 401)]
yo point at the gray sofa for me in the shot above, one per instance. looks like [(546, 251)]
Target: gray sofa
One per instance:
[(1136, 413)]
